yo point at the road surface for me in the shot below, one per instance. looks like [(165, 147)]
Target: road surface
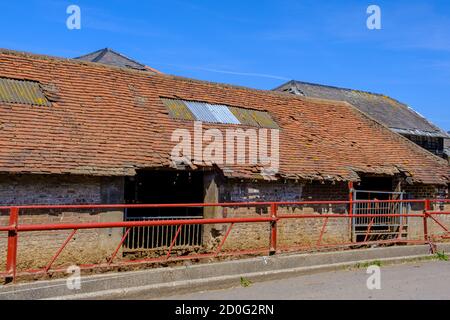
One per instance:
[(420, 280)]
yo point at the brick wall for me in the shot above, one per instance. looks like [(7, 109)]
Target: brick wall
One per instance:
[(91, 246), (35, 249), (419, 191), (292, 231), (304, 232), (415, 225)]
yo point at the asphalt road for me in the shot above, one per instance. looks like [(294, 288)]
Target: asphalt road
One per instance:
[(421, 280)]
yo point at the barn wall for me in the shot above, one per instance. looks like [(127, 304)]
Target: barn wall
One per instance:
[(36, 248), (415, 225), (91, 246), (295, 231)]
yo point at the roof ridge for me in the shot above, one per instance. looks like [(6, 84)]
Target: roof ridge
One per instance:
[(100, 55), (84, 55), (124, 56), (104, 51), (343, 88), (181, 78)]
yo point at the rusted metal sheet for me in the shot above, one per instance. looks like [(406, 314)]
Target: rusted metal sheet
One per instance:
[(244, 116), (177, 109), (254, 118), (22, 92), (264, 119)]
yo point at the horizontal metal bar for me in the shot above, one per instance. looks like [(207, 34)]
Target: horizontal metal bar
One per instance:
[(143, 261), (200, 205), (164, 218), (125, 224), (382, 192), (440, 200), (354, 215), (377, 233)]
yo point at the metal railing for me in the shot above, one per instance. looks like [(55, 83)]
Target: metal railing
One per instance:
[(277, 216), (388, 227), (380, 224)]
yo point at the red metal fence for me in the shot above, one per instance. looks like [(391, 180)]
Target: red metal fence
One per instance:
[(429, 212)]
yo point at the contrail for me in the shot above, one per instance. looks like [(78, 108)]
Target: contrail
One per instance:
[(245, 74), (249, 74)]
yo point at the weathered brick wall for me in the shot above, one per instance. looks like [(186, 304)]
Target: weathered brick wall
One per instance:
[(419, 191), (290, 231), (90, 246), (415, 225), (306, 231), (35, 249)]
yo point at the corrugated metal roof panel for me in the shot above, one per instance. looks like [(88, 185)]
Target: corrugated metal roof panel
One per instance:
[(222, 113), (417, 132), (201, 112), (244, 116), (178, 109), (218, 113), (264, 119), (22, 92)]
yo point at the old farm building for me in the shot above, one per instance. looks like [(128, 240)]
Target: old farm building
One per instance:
[(74, 132), (447, 147), (397, 116)]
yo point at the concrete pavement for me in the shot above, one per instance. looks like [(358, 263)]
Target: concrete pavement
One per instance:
[(419, 280), (156, 283)]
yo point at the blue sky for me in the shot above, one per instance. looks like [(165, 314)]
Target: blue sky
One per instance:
[(260, 43)]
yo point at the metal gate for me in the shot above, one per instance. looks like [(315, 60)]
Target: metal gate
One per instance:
[(379, 228), (160, 237)]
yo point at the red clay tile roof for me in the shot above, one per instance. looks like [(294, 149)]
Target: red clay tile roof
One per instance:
[(109, 121)]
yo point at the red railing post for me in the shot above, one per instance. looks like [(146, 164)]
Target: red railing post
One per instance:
[(273, 227), (350, 209), (425, 219), (350, 194), (11, 257)]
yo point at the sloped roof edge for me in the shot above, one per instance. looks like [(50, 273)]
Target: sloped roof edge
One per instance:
[(431, 131)]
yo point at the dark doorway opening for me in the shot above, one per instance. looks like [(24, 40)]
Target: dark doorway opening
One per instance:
[(164, 187), (378, 185)]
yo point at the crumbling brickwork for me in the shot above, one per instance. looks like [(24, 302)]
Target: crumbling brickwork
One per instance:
[(91, 246), (35, 249), (292, 231), (415, 225)]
